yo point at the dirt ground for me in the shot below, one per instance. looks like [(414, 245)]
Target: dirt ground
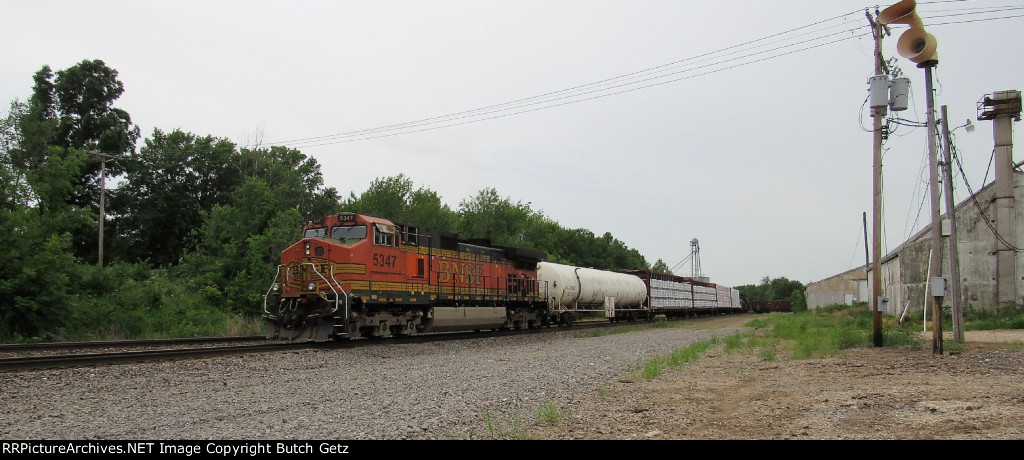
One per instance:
[(862, 393)]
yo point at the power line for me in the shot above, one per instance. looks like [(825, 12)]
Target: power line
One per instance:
[(580, 90), (703, 64), (821, 33), (974, 198)]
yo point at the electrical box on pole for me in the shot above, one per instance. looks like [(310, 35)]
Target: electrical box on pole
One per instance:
[(878, 92), (899, 94)]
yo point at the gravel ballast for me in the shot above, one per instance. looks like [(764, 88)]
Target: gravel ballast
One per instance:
[(464, 389)]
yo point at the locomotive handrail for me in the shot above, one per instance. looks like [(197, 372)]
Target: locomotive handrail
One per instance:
[(335, 291), (336, 295), (266, 308), (492, 287)]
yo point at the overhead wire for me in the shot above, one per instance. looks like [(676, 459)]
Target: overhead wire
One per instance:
[(585, 89), (974, 198), (731, 57), (821, 33)]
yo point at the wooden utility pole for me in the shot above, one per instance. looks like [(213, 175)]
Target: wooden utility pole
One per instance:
[(104, 158), (935, 273), (919, 47), (954, 250), (876, 217)]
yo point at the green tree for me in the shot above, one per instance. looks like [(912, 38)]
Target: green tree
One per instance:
[(240, 242), (168, 185), (797, 300), (782, 288), (396, 199), (620, 256), (240, 246), (770, 289), (72, 109), (428, 211), (295, 179), (497, 219), (661, 267), (387, 198), (37, 271), (16, 190), (575, 247)]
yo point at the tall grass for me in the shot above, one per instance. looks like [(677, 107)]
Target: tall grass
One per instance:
[(1010, 317), (826, 331), (810, 334)]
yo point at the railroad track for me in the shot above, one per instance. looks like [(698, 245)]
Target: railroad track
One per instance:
[(121, 357), (65, 360), (50, 346)]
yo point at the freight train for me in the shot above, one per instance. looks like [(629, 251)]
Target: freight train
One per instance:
[(355, 275)]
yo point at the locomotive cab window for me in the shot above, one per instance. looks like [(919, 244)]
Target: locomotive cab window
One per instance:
[(320, 232), (410, 236), (349, 235), (383, 235)]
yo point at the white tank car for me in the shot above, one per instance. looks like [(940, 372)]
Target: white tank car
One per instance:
[(586, 289)]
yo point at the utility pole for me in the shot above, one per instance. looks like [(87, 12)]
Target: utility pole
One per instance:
[(920, 47), (104, 158), (954, 251), (936, 257), (876, 214)]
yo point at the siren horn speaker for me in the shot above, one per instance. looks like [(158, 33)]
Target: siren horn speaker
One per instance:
[(901, 13), (917, 45)]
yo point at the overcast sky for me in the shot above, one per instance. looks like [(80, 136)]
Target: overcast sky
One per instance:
[(741, 124)]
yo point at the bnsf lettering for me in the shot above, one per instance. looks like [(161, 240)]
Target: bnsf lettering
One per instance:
[(381, 260), (295, 270), (462, 273)]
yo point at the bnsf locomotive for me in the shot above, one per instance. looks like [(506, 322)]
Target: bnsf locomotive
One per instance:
[(353, 275)]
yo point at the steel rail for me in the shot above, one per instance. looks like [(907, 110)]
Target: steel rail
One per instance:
[(93, 359), (14, 347)]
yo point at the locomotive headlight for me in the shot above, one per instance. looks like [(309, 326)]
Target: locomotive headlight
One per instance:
[(277, 287), (311, 287), (307, 248)]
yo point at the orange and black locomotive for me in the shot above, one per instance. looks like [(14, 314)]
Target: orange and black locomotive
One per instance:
[(353, 275)]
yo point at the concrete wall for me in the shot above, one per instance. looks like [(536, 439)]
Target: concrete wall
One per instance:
[(905, 270), (844, 288)]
